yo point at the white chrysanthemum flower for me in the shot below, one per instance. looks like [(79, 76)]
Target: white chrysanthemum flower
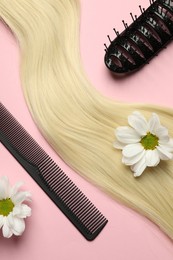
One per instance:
[(12, 209), (143, 143)]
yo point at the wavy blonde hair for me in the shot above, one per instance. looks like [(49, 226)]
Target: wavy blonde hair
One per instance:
[(75, 119)]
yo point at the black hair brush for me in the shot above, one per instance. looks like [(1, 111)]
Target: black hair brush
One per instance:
[(143, 39)]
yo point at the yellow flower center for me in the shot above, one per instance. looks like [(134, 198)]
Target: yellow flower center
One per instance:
[(149, 141), (6, 206)]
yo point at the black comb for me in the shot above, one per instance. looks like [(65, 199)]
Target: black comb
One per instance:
[(49, 176), (143, 39)]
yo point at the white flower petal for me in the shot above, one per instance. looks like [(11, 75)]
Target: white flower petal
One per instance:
[(139, 167), (4, 187), (152, 158), (10, 220), (131, 150), (19, 226), (16, 210), (161, 132), (164, 139), (1, 221), (118, 145), (153, 123), (132, 160), (22, 211), (139, 123), (26, 211), (127, 135), (20, 197), (164, 154), (170, 142), (169, 145), (6, 230)]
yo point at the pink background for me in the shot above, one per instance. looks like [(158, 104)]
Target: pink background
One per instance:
[(49, 235)]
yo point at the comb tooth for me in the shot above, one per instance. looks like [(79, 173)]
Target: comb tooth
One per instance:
[(84, 200), (103, 221), (64, 187), (49, 172), (92, 221), (96, 225), (91, 211), (81, 209), (78, 197), (74, 205), (57, 183), (78, 206), (87, 210), (91, 225), (69, 198), (85, 219), (33, 157), (69, 192), (44, 164)]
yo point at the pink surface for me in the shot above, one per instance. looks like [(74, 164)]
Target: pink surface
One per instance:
[(49, 235)]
